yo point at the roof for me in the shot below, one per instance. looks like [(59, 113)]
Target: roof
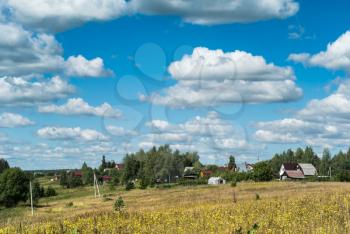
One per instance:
[(290, 166), (207, 172), (106, 178), (188, 169), (294, 174), (119, 166), (308, 169)]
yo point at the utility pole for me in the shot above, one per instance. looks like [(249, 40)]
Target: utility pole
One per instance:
[(31, 197), (96, 188), (330, 172)]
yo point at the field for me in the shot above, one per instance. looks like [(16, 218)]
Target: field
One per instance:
[(274, 207)]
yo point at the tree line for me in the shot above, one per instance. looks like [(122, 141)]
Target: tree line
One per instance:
[(14, 186)]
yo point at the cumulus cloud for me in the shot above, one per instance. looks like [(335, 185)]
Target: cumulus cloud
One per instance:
[(322, 122), (23, 52), (120, 131), (210, 12), (26, 91), (335, 57), (60, 133), (208, 133), (11, 120), (77, 106), (81, 67), (60, 15), (335, 107), (60, 155), (213, 77)]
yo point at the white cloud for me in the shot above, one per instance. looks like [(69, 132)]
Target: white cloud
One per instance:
[(11, 120), (60, 15), (209, 135), (60, 133), (210, 12), (77, 106), (120, 131), (335, 107), (25, 91), (336, 56), (81, 67), (60, 155), (213, 77), (323, 122), (23, 52), (273, 137)]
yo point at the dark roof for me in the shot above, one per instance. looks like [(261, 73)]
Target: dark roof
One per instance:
[(77, 174), (106, 178), (295, 174), (290, 166)]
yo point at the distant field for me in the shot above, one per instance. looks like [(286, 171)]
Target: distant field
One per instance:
[(275, 207)]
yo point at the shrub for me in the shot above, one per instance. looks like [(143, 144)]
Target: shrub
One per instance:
[(233, 183), (69, 204), (129, 185), (257, 196), (143, 184), (119, 204), (193, 182), (50, 192), (262, 172)]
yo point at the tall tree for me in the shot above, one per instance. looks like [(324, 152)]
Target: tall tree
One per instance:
[(14, 187), (3, 165), (325, 162), (231, 163)]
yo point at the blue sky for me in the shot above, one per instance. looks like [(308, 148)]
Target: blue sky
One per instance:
[(108, 77)]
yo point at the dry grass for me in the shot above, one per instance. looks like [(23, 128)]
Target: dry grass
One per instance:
[(153, 200)]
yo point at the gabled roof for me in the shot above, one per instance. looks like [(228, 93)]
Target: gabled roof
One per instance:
[(294, 174), (290, 166), (308, 169)]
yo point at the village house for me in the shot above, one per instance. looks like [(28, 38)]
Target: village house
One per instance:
[(308, 169), (249, 167), (297, 171), (189, 173), (206, 173), (119, 166)]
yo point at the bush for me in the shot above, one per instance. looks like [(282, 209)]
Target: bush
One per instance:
[(143, 184), (257, 196), (129, 185), (262, 172), (14, 187), (119, 204), (69, 204), (50, 192), (233, 183)]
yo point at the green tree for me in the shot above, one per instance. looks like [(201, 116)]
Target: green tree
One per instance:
[(103, 164), (325, 162), (14, 187), (231, 163), (88, 174), (50, 192), (262, 171), (37, 191), (3, 165)]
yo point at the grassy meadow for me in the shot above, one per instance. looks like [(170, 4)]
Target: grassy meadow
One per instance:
[(271, 207)]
